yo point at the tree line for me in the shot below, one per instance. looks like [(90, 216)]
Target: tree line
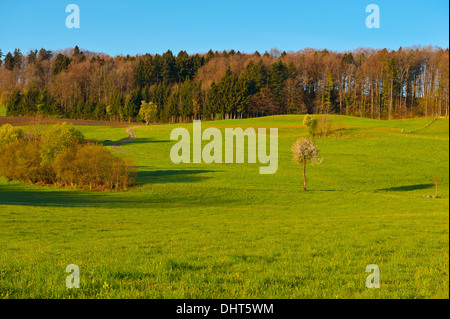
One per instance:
[(374, 83)]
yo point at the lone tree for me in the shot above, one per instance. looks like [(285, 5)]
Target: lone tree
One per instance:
[(304, 150), (435, 181), (148, 112), (311, 122)]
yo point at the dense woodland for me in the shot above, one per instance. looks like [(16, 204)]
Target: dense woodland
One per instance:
[(75, 83)]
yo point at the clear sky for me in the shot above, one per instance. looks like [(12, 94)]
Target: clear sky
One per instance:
[(138, 26)]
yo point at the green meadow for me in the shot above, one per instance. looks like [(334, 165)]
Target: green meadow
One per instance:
[(225, 231), (2, 110)]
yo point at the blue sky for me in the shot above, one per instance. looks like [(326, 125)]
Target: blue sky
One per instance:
[(137, 26)]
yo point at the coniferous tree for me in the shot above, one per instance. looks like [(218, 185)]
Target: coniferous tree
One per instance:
[(9, 61)]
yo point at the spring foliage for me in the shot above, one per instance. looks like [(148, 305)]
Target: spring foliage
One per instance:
[(9, 133), (403, 83), (148, 112), (304, 150), (311, 122), (60, 157)]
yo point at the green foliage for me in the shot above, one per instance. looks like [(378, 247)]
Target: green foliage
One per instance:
[(277, 76), (148, 111), (9, 61), (61, 63), (93, 166), (311, 122), (60, 158), (20, 160), (56, 139), (9, 133), (323, 127), (368, 83)]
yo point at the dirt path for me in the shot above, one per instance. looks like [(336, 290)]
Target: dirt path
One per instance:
[(131, 136)]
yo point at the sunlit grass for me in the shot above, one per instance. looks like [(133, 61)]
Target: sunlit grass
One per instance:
[(225, 231)]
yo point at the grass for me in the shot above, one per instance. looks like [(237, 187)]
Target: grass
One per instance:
[(224, 231), (2, 110)]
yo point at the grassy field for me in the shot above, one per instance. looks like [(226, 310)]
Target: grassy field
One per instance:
[(225, 231)]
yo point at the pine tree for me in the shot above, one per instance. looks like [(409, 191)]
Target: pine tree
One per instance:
[(61, 63), (9, 61)]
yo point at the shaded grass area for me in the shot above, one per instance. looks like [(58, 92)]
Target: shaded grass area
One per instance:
[(224, 231)]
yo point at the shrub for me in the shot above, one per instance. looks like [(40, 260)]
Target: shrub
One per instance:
[(9, 133), (93, 166), (323, 128), (20, 160), (60, 158), (56, 139)]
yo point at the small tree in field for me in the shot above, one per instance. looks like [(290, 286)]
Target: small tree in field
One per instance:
[(435, 181), (148, 112), (304, 150), (311, 122)]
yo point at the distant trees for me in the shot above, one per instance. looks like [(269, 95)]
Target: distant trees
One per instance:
[(61, 63), (76, 83), (304, 151), (60, 157), (9, 61)]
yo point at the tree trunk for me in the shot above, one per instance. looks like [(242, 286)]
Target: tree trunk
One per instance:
[(391, 98), (304, 175)]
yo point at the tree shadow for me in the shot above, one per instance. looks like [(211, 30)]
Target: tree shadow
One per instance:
[(407, 188), (142, 140), (26, 195), (19, 194), (170, 176), (138, 140)]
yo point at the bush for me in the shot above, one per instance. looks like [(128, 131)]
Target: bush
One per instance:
[(20, 160), (93, 166), (56, 139), (9, 133), (324, 126), (61, 158)]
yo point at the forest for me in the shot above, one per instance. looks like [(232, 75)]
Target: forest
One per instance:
[(373, 83)]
